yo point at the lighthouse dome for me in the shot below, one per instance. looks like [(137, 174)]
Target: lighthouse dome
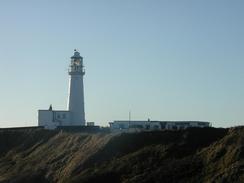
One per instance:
[(76, 54)]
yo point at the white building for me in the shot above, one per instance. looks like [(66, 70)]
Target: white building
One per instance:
[(132, 126), (75, 114)]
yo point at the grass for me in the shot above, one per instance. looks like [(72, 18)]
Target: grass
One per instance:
[(192, 155)]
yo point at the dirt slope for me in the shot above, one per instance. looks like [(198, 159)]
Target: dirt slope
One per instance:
[(192, 155)]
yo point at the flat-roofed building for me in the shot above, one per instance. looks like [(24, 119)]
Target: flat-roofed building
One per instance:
[(132, 126)]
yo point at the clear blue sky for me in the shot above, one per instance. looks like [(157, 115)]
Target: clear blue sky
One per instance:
[(161, 59)]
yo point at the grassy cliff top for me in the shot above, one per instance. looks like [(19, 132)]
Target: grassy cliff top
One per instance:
[(191, 155)]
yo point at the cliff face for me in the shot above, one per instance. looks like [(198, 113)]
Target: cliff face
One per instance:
[(192, 155)]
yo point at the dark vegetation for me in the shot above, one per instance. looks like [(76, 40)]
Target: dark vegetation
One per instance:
[(192, 155)]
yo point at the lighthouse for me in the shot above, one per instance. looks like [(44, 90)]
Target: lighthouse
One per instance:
[(76, 90), (74, 116)]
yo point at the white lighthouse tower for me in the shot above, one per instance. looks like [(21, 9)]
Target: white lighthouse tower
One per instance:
[(74, 116), (76, 90)]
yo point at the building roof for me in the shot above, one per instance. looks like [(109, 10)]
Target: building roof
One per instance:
[(126, 121)]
